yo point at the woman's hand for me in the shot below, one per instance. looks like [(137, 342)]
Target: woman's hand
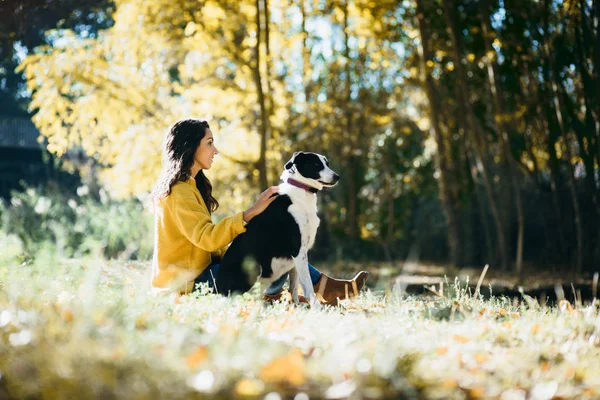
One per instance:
[(265, 198)]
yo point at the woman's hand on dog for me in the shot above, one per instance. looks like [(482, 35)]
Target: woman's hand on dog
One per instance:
[(265, 198)]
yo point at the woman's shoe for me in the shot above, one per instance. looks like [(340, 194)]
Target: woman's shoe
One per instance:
[(330, 289)]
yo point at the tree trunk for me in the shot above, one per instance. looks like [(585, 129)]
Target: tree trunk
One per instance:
[(305, 56), (264, 121), (585, 90), (352, 186), (502, 129), (443, 167), (596, 7), (558, 110), (269, 100), (472, 127), (597, 73)]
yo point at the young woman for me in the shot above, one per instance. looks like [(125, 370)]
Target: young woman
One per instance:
[(187, 244)]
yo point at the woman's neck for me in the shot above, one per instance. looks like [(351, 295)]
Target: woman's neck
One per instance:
[(194, 171)]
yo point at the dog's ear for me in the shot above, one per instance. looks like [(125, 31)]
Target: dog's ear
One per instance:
[(291, 162)]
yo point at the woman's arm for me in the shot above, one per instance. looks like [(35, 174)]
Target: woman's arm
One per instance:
[(265, 198), (194, 222)]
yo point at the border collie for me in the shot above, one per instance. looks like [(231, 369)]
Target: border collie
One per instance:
[(277, 240)]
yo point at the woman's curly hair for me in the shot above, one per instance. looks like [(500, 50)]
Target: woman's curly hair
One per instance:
[(181, 143)]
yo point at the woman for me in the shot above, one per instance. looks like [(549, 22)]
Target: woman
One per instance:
[(187, 244)]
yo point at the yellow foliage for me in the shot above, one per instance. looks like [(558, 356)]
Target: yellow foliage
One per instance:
[(114, 97)]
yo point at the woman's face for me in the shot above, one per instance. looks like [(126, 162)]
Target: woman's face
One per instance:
[(206, 151)]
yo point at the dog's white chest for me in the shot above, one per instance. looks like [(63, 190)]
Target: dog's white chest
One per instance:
[(308, 222)]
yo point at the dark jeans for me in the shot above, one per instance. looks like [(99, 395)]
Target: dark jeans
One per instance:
[(210, 273)]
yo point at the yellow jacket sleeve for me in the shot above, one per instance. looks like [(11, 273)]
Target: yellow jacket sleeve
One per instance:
[(194, 221)]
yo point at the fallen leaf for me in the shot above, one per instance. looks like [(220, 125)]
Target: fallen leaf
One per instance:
[(195, 358), (442, 350), (545, 366), (67, 315), (476, 392), (481, 358), (289, 368), (461, 339), (249, 387), (449, 383)]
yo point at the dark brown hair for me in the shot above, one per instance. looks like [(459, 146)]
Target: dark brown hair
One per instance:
[(181, 143)]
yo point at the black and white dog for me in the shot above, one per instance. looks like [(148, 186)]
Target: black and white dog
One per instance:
[(277, 240)]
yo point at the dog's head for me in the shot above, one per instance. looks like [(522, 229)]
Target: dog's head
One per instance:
[(311, 169)]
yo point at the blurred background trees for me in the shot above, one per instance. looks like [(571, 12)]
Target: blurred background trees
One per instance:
[(465, 131)]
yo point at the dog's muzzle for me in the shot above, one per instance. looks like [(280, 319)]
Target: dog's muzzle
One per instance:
[(334, 180)]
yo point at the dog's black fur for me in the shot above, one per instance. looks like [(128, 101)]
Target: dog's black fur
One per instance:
[(273, 233)]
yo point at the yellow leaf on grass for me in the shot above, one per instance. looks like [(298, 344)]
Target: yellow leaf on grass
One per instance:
[(67, 315), (141, 322), (195, 358), (476, 392), (481, 358), (249, 387), (289, 368), (461, 339), (442, 350), (535, 329), (589, 392), (449, 384), (570, 373), (545, 366)]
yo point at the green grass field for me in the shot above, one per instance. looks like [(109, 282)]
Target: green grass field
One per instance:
[(91, 329)]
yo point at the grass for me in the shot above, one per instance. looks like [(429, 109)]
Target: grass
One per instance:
[(91, 329)]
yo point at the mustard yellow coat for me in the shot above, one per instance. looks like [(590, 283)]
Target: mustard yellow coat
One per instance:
[(185, 237)]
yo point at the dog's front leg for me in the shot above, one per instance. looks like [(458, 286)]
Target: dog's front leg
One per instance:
[(304, 276), (294, 285)]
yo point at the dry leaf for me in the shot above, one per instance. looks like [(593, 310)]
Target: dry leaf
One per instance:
[(442, 350), (535, 329), (289, 368), (461, 339), (249, 387), (545, 366), (476, 392), (141, 322), (67, 315), (481, 358), (449, 383), (195, 358)]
